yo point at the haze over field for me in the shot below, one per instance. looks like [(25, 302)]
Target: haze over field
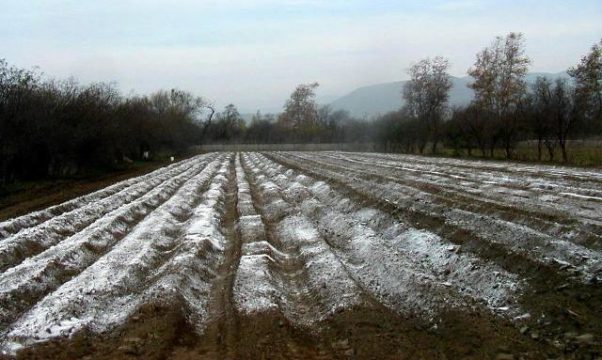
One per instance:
[(252, 53)]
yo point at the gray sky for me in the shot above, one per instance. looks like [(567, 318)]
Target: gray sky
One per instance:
[(253, 53)]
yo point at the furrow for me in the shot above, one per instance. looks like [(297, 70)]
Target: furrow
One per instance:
[(16, 225), (285, 266), (169, 255), (501, 169), (32, 241), (410, 270), (222, 334), (518, 200), (26, 283), (534, 247)]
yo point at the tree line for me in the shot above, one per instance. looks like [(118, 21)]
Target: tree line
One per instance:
[(53, 128), (301, 121), (505, 111), (61, 128)]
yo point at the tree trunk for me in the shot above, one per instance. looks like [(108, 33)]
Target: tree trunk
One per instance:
[(550, 147), (551, 153), (508, 150), (565, 157), (434, 148)]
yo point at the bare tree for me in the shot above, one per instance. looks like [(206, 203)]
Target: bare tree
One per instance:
[(300, 110), (499, 84), (426, 96), (228, 125), (588, 81), (207, 123), (541, 117), (565, 113)]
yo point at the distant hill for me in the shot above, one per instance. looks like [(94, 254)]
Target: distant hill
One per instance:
[(377, 99)]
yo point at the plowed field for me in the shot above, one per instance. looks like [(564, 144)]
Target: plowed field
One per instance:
[(312, 255)]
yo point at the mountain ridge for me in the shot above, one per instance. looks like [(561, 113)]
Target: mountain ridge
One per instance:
[(372, 100)]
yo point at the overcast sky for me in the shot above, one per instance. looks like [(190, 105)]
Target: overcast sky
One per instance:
[(253, 53)]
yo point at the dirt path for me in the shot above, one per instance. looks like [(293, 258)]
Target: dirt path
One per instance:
[(222, 335)]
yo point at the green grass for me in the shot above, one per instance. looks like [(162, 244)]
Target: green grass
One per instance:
[(579, 155)]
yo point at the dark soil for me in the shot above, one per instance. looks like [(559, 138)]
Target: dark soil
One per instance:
[(20, 199), (160, 331)]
